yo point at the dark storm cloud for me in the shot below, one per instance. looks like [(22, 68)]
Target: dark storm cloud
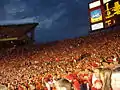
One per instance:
[(58, 19)]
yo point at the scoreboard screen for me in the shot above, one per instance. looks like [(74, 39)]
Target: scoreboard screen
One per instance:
[(96, 15), (112, 13), (105, 14), (109, 10)]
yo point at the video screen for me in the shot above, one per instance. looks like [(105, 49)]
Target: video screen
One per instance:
[(96, 15)]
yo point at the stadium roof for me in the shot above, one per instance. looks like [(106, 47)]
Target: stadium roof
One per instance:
[(15, 22), (17, 28)]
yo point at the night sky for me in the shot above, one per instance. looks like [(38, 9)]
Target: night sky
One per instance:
[(58, 19)]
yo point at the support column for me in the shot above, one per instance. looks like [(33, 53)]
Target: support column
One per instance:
[(32, 35)]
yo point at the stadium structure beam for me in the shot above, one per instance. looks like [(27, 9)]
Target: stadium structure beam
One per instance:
[(32, 34)]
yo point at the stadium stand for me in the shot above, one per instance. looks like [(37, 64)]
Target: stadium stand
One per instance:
[(38, 67)]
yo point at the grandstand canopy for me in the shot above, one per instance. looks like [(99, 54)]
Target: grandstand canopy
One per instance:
[(16, 28)]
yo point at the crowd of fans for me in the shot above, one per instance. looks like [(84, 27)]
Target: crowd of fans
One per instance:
[(34, 67)]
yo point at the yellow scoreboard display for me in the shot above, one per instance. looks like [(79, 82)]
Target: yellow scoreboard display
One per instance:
[(96, 15), (110, 22), (112, 11)]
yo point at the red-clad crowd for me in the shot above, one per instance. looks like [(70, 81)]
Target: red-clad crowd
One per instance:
[(38, 67)]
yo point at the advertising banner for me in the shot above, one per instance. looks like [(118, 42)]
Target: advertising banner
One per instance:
[(105, 1), (94, 4), (97, 26)]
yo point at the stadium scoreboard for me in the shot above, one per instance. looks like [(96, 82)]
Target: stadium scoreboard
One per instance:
[(104, 14)]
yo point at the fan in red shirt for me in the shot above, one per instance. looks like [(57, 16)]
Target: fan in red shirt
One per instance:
[(74, 79), (76, 84)]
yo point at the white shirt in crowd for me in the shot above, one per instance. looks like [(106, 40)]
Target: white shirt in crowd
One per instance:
[(115, 80)]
